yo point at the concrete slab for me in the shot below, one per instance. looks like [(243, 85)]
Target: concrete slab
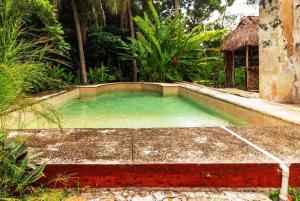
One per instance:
[(140, 146), (283, 142), (191, 145), (80, 146)]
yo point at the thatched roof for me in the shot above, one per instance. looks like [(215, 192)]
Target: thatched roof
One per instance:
[(246, 34)]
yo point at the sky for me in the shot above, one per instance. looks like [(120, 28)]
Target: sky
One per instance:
[(241, 8)]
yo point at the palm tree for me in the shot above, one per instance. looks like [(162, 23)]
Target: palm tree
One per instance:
[(80, 43), (81, 24), (132, 33), (123, 8), (177, 7)]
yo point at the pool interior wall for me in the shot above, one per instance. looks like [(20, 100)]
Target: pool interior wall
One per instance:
[(247, 115)]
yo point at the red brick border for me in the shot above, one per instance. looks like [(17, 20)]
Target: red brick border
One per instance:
[(171, 175)]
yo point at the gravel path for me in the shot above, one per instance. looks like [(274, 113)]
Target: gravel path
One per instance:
[(186, 195)]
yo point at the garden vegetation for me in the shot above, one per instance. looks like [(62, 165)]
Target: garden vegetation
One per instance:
[(51, 44)]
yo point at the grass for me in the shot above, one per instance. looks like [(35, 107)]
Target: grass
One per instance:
[(42, 194)]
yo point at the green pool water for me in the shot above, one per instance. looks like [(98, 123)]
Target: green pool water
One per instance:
[(141, 110)]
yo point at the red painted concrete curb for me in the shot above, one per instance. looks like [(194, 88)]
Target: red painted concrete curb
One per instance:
[(170, 175), (294, 180)]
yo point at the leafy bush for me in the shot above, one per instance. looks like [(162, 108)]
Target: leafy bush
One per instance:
[(293, 193), (21, 60), (16, 170), (240, 79), (163, 48), (100, 75), (102, 47), (209, 70), (49, 79), (32, 38)]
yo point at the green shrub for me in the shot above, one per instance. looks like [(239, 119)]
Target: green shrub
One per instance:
[(240, 80), (100, 75), (164, 49), (16, 170), (21, 59), (294, 193)]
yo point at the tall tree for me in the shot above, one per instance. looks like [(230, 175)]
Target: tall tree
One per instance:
[(132, 33), (124, 8), (81, 13), (196, 11), (177, 7), (79, 42)]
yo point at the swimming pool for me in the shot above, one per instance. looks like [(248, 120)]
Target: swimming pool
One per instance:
[(150, 105), (139, 109)]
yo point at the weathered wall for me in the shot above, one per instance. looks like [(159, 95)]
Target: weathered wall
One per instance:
[(279, 44)]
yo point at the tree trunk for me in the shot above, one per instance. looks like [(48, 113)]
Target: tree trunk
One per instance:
[(131, 26), (229, 69), (177, 7), (103, 17), (144, 5), (80, 43), (84, 26), (247, 67)]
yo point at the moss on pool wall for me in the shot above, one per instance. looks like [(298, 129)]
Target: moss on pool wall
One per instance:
[(279, 52)]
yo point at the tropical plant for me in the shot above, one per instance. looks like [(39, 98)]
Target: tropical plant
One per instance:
[(102, 47), (177, 6), (40, 15), (124, 8), (294, 195), (163, 48), (209, 70), (16, 170), (100, 75), (82, 11), (21, 58), (240, 78), (42, 27)]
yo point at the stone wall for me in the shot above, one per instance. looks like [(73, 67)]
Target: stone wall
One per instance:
[(279, 44)]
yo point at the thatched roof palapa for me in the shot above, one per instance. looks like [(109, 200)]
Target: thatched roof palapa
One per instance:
[(246, 34)]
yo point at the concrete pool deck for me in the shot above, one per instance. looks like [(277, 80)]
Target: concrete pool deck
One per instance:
[(140, 146), (177, 157), (286, 112)]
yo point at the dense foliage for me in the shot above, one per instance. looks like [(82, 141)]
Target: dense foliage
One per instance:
[(165, 50), (51, 44), (23, 57), (104, 24), (17, 172)]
